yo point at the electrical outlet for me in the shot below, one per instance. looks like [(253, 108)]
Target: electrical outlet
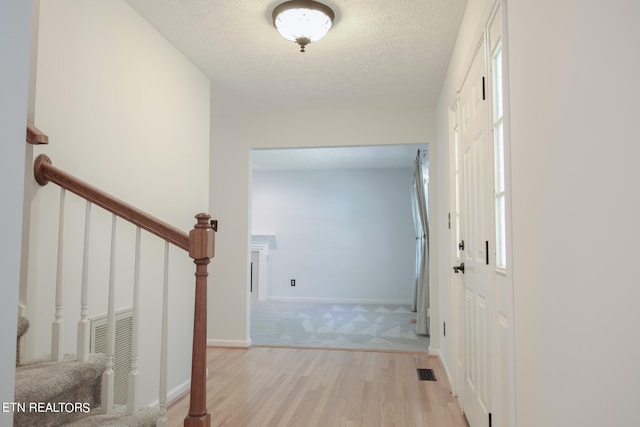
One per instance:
[(293, 282)]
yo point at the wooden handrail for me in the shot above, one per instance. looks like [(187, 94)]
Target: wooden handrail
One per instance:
[(199, 244), (44, 172), (35, 136)]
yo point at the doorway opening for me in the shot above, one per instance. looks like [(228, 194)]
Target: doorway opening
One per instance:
[(343, 271)]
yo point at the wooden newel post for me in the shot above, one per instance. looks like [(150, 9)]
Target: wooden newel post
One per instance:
[(201, 249)]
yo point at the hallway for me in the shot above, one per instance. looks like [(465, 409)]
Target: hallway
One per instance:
[(263, 387)]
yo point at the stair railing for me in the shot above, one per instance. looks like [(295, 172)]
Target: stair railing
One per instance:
[(199, 243)]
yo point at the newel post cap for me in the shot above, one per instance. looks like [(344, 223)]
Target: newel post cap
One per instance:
[(202, 238)]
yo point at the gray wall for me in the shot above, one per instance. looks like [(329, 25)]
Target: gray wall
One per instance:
[(342, 234), (15, 17)]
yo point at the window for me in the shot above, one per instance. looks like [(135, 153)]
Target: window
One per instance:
[(456, 143), (498, 147)]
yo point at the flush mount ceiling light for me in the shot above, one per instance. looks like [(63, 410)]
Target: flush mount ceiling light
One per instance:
[(303, 21)]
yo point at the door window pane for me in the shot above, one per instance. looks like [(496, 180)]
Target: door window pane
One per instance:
[(498, 147)]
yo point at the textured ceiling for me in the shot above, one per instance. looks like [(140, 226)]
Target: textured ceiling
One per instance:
[(391, 51)]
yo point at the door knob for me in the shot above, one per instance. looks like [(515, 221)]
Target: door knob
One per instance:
[(459, 268)]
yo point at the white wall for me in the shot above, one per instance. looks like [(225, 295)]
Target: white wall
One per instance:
[(125, 111), (344, 235), (234, 133), (15, 18), (573, 70)]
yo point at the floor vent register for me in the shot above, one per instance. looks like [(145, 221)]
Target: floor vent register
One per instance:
[(426, 375)]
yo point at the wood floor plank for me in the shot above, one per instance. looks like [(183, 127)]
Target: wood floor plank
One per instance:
[(281, 387)]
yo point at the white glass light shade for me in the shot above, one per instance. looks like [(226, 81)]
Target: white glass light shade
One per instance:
[(303, 21), (295, 23)]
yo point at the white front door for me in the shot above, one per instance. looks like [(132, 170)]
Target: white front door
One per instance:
[(475, 161)]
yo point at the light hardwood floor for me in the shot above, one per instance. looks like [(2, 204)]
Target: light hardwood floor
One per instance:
[(263, 386)]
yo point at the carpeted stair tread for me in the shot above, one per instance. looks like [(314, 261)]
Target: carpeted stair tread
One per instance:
[(143, 418), (41, 381), (23, 325), (68, 381)]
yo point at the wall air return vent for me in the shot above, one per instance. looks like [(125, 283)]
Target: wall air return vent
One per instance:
[(122, 355)]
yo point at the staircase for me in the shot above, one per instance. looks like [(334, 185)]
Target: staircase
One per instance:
[(66, 393), (79, 390)]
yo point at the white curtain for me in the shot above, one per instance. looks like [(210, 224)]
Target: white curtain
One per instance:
[(422, 248), (419, 233)]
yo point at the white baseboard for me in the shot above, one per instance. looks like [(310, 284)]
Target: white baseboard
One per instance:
[(448, 373), (229, 343), (183, 389), (341, 300), (174, 394)]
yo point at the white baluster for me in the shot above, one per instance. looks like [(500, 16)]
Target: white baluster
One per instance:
[(84, 327), (108, 375), (57, 332), (132, 403), (162, 399)]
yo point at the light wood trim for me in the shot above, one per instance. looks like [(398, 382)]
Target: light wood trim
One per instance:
[(35, 136), (44, 172)]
